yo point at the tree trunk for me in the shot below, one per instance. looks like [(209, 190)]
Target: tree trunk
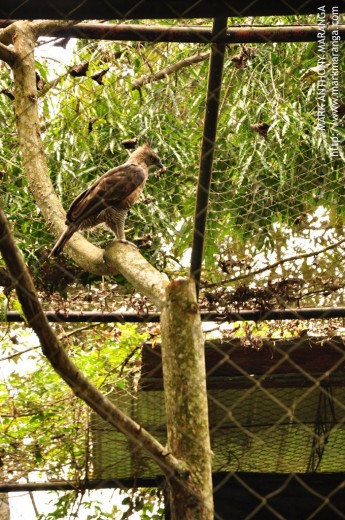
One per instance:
[(184, 376), (188, 465), (5, 513)]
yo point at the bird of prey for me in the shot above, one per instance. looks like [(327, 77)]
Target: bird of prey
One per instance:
[(109, 198)]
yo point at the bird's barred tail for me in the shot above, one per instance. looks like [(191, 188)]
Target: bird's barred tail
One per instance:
[(62, 241)]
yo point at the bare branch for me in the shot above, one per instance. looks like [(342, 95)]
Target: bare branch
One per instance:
[(76, 331), (51, 84), (18, 353), (171, 69), (62, 364), (276, 264)]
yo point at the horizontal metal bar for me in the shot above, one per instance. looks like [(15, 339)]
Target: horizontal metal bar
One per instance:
[(63, 485), (132, 317), (150, 9), (187, 34), (282, 314), (332, 479), (89, 317), (197, 34)]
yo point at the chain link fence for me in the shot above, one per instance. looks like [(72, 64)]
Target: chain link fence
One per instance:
[(273, 243)]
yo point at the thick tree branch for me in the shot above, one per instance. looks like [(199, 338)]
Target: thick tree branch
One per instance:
[(62, 364), (138, 271), (89, 257), (171, 69), (34, 163), (6, 34), (46, 27)]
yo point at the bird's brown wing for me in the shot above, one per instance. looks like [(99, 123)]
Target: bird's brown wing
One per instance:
[(119, 187)]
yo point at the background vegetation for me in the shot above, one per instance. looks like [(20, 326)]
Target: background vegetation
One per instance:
[(277, 192)]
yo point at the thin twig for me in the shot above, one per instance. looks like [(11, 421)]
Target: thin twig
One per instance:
[(276, 264), (32, 499), (170, 69), (51, 84), (80, 329), (12, 356)]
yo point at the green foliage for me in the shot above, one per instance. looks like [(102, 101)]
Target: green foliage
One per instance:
[(256, 181), (67, 505), (290, 172), (147, 502), (265, 194), (43, 425)]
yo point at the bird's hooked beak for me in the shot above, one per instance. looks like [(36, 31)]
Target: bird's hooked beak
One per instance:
[(162, 167)]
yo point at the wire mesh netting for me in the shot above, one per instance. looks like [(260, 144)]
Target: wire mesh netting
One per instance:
[(254, 427), (273, 241), (269, 201), (270, 412)]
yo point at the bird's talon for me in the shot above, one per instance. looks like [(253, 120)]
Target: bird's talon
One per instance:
[(122, 241)]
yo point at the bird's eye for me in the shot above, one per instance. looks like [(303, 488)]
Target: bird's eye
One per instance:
[(152, 158)]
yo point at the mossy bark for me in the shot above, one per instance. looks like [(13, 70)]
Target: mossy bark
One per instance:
[(184, 377)]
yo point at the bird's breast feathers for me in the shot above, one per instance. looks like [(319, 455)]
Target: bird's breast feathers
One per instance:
[(118, 188)]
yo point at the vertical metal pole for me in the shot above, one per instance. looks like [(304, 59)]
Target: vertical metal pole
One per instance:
[(207, 146)]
